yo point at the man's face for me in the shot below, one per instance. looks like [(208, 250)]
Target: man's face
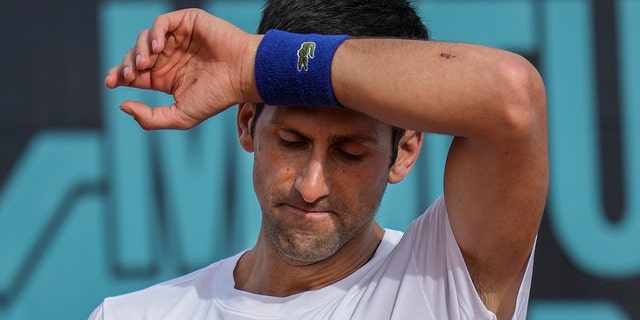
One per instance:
[(319, 175)]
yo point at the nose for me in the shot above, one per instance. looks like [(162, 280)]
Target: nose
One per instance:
[(312, 183)]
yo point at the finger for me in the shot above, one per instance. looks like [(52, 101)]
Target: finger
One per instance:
[(158, 32), (128, 65), (143, 53), (168, 117), (168, 23), (115, 77), (112, 81), (124, 74)]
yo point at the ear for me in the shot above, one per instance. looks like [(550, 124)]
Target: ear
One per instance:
[(246, 113), (408, 151)]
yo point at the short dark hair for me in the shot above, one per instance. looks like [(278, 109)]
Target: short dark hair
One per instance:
[(357, 18)]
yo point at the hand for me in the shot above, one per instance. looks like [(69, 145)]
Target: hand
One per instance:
[(206, 63)]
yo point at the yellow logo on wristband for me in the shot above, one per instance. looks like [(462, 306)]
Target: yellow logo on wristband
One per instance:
[(304, 54)]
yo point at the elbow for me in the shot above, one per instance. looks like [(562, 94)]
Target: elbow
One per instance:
[(523, 97)]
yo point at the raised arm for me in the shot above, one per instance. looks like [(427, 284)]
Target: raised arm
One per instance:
[(492, 102), (496, 177)]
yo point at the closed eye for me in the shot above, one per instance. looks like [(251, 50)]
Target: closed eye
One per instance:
[(350, 156), (291, 144), (291, 140)]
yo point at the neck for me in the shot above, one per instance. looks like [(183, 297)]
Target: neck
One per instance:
[(263, 271)]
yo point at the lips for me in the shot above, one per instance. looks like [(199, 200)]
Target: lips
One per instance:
[(308, 212)]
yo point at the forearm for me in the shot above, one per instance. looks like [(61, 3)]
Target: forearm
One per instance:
[(456, 89)]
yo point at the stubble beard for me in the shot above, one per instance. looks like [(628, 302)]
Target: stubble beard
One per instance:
[(305, 247), (311, 246)]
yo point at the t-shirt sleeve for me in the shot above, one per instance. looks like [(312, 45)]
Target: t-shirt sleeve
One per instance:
[(97, 314), (439, 259)]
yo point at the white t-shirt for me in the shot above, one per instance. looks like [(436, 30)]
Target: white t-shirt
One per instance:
[(418, 275)]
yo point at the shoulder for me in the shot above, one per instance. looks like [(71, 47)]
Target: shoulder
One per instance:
[(433, 223), (186, 292), (428, 243)]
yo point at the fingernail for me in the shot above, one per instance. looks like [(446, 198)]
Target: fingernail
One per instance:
[(125, 71), (138, 57), (154, 44)]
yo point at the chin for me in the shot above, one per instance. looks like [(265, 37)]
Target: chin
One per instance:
[(308, 250)]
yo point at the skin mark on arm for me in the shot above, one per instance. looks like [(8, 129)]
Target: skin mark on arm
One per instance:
[(447, 55)]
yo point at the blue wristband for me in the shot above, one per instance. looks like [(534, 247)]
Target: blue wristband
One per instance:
[(295, 69)]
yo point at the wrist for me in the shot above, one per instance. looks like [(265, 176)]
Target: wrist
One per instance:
[(247, 81), (295, 69)]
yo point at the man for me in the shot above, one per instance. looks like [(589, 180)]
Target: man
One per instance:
[(320, 170)]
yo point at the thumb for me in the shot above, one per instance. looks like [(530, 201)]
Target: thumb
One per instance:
[(166, 117)]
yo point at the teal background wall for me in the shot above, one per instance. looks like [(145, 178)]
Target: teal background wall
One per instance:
[(92, 206)]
